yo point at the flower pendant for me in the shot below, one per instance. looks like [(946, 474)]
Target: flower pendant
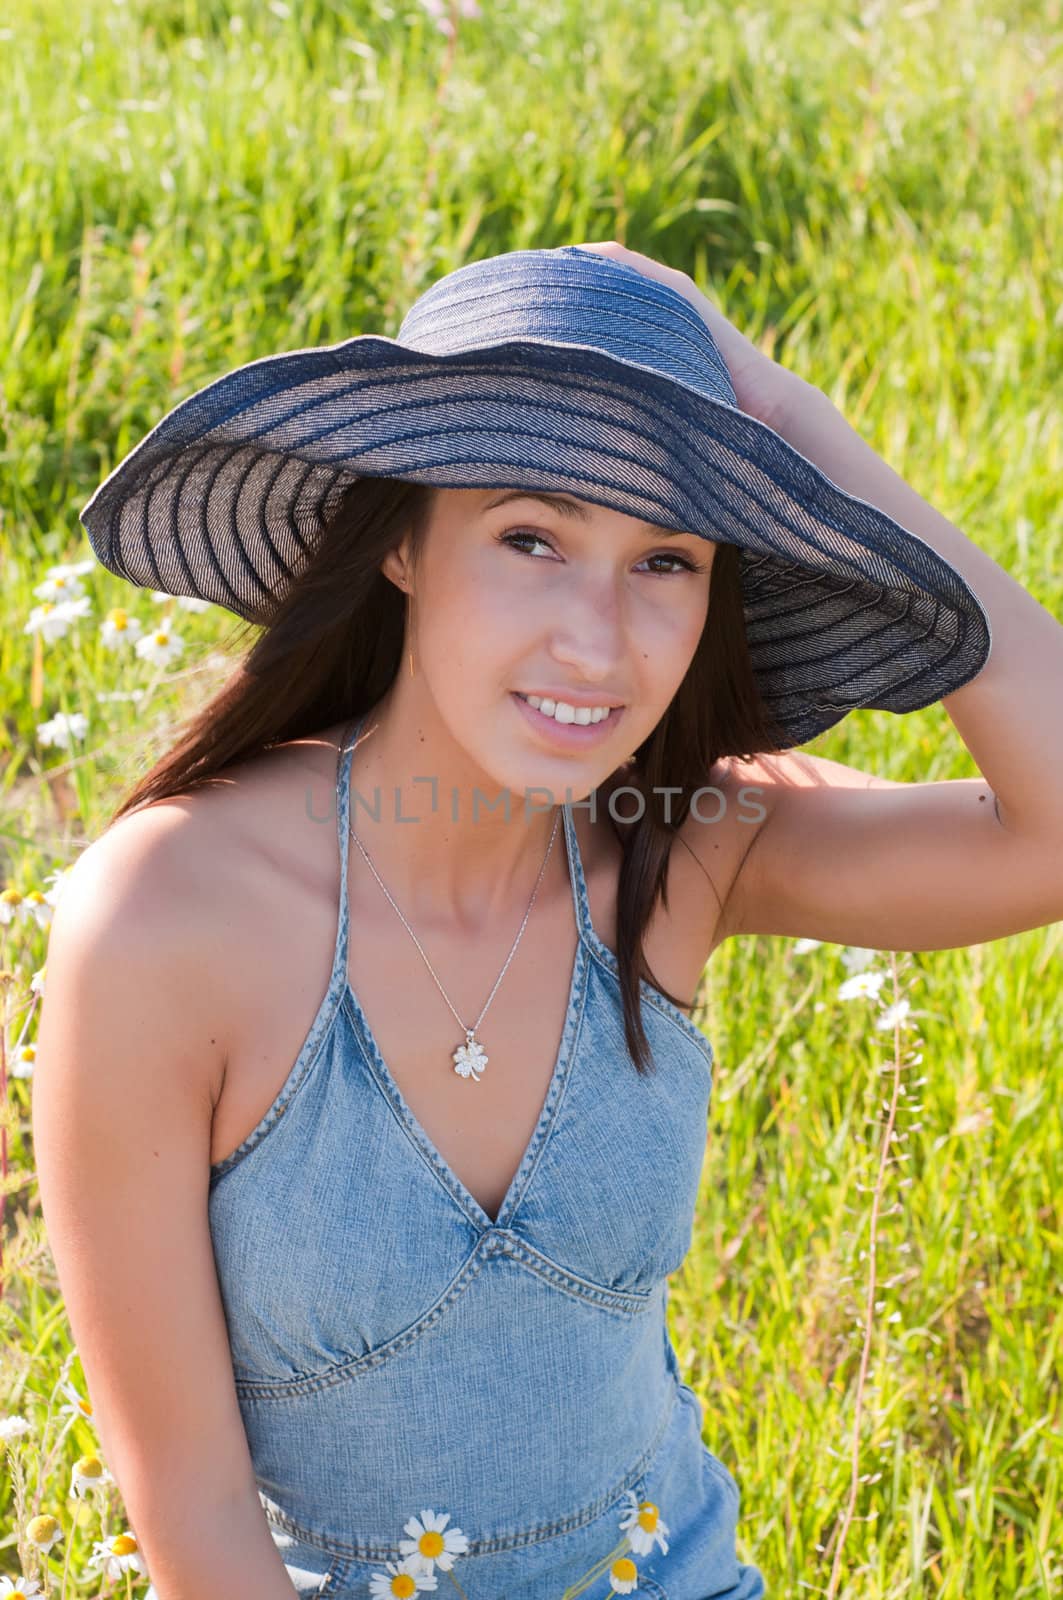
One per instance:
[(470, 1058)]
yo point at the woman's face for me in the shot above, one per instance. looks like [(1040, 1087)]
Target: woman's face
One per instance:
[(513, 596)]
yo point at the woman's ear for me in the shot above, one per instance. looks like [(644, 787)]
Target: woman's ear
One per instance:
[(394, 567)]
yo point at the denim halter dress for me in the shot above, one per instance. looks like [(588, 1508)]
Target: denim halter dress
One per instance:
[(395, 1350)]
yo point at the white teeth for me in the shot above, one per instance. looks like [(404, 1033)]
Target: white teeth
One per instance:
[(561, 711)]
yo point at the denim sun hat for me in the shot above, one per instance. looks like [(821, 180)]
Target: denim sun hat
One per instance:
[(558, 370)]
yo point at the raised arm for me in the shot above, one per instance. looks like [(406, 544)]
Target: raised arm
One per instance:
[(131, 1049)]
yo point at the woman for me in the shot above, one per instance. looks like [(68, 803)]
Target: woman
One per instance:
[(405, 1138)]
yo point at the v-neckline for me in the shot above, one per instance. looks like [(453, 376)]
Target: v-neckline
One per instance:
[(386, 1079)]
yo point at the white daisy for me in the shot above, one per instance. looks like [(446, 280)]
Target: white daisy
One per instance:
[(857, 959), (401, 1580), (803, 946), (63, 728), (54, 619), (76, 1404), (13, 1427), (429, 1544), (861, 985), (893, 1014), (623, 1576), (119, 628), (62, 583), (643, 1525), (18, 1588), (37, 906), (88, 1475), (160, 647), (10, 904), (116, 1556), (20, 1065), (43, 1532)]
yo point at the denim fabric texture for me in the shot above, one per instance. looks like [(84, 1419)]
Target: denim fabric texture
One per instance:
[(395, 1348), (564, 371)]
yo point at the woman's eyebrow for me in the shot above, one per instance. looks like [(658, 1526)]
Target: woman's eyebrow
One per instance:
[(575, 509)]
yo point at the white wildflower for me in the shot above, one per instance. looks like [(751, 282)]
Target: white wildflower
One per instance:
[(160, 647), (88, 1475), (119, 628), (861, 985), (382, 1585), (894, 1014), (643, 1525), (63, 728), (62, 583), (429, 1545), (20, 1065), (116, 1556), (54, 619)]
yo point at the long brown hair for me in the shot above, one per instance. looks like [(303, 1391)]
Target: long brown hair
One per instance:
[(331, 647)]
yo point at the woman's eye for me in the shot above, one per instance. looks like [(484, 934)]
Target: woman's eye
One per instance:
[(525, 535), (684, 564)]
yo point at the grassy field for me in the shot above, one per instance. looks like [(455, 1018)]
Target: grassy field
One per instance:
[(870, 192)]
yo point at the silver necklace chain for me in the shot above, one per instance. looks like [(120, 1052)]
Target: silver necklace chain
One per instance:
[(469, 1058)]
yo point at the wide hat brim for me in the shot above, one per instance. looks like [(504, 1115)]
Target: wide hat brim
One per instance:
[(224, 500)]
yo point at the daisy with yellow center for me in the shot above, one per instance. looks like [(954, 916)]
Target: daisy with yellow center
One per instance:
[(119, 628), (10, 900), (430, 1544), (401, 1580), (23, 1061), (160, 647), (77, 1405), (88, 1475), (43, 1531), (116, 1556), (19, 1589), (624, 1576), (644, 1526)]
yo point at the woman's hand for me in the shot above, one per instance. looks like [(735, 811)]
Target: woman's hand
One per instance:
[(763, 388)]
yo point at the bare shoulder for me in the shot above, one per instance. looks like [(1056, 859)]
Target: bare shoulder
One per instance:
[(180, 883)]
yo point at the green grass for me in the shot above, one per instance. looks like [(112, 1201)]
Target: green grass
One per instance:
[(869, 192)]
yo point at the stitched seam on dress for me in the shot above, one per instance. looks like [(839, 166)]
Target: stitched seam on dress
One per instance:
[(629, 1300), (313, 1383), (490, 1245), (528, 1536)]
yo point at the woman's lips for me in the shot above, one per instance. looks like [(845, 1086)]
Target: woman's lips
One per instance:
[(569, 735)]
